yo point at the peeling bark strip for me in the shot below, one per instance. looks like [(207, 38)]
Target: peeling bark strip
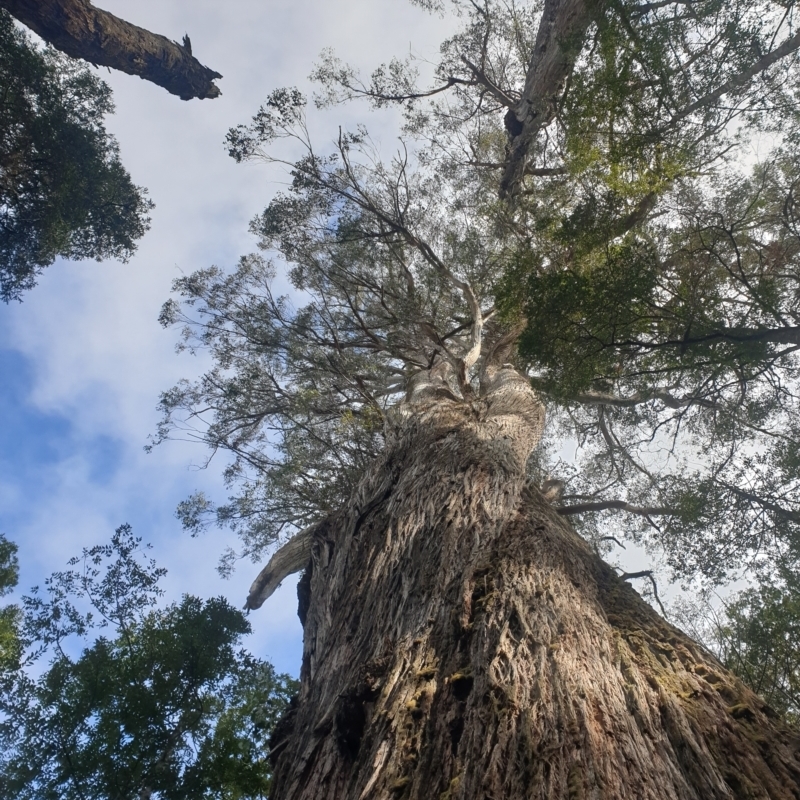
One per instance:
[(82, 31), (462, 642)]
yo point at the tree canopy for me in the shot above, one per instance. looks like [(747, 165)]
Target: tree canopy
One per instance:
[(9, 615), (63, 189), (163, 703), (624, 236)]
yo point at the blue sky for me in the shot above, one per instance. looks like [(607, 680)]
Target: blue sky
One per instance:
[(83, 359)]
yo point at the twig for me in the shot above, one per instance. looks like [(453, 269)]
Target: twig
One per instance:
[(646, 573)]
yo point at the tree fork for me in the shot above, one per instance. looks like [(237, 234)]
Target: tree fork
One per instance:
[(82, 31), (461, 641)]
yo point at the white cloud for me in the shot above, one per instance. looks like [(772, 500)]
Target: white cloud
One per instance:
[(88, 332)]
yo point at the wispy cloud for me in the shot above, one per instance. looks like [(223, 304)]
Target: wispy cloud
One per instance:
[(83, 359)]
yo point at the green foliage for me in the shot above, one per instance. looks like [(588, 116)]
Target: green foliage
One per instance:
[(9, 615), (575, 316), (756, 634), (651, 263), (677, 343), (63, 190), (759, 640), (711, 289), (301, 387), (162, 705)]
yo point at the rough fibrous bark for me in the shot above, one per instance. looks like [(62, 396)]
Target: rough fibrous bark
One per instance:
[(461, 642), (82, 31)]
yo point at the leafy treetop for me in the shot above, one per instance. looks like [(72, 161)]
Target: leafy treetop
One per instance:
[(576, 180), (162, 704), (63, 189)]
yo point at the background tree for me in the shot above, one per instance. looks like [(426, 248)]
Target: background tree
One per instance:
[(756, 634), (63, 189), (163, 705), (82, 31), (461, 639), (9, 615)]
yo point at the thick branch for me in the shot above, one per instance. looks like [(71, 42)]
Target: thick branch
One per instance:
[(789, 334), (287, 560), (559, 40), (82, 31), (617, 505), (646, 8), (741, 79), (780, 511), (669, 400)]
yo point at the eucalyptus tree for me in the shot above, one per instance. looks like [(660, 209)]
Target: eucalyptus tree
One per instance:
[(560, 233), (654, 275)]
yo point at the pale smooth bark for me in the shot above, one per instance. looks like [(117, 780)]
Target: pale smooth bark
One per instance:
[(559, 40)]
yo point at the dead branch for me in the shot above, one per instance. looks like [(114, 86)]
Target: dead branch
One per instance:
[(287, 560), (646, 573), (82, 31)]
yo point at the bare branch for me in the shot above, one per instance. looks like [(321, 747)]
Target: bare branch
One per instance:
[(483, 79), (784, 513), (742, 78), (789, 334), (646, 8), (80, 30), (612, 539), (615, 505), (287, 560), (646, 573)]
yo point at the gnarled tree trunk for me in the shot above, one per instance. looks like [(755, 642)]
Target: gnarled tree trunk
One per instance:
[(461, 641)]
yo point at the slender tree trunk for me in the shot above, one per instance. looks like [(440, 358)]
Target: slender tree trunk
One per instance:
[(462, 642), (82, 31)]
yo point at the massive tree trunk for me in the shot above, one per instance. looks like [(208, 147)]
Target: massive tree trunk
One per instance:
[(461, 641), (82, 31)]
